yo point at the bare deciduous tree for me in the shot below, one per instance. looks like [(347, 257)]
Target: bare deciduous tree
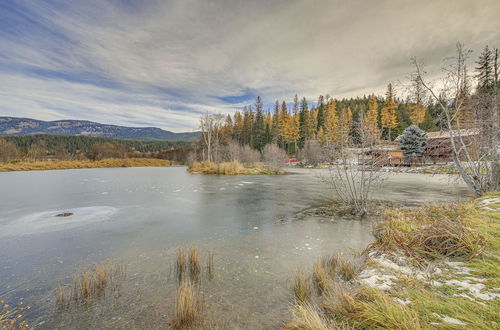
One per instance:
[(210, 125), (8, 151), (37, 150), (475, 150), (353, 182), (107, 150)]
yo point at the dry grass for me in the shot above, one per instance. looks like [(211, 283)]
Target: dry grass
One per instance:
[(180, 263), (378, 310), (302, 286), (194, 263), (456, 231), (75, 164), (90, 283), (347, 266), (310, 317), (210, 265), (187, 305), (340, 301), (229, 168), (10, 316), (433, 232), (321, 278)]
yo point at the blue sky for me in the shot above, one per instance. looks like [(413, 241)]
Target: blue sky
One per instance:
[(163, 63)]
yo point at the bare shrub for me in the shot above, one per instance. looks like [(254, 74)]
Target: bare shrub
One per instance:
[(312, 153), (249, 156), (353, 182), (274, 157), (8, 151)]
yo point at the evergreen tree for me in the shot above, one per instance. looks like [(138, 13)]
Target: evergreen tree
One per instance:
[(484, 69), (413, 142), (321, 112), (304, 121), (275, 123), (258, 127)]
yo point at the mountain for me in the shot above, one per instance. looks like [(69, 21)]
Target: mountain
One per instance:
[(10, 126)]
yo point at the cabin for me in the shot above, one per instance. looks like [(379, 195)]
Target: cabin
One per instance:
[(439, 149)]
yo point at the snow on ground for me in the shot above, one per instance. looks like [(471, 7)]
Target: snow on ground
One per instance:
[(449, 320), (385, 272)]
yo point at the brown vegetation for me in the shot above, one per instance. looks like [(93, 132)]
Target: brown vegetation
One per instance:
[(194, 263), (76, 164), (433, 232), (180, 263), (10, 316), (229, 168), (302, 286), (91, 283), (210, 265), (187, 305)]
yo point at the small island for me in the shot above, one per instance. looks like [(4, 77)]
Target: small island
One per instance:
[(231, 168)]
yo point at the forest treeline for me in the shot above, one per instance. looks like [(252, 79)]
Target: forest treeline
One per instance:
[(63, 147)]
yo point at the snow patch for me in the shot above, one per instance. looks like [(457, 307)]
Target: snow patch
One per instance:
[(449, 320)]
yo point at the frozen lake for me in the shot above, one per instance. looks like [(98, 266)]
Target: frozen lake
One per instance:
[(140, 216)]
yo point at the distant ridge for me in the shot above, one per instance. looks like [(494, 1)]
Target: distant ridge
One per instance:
[(13, 126)]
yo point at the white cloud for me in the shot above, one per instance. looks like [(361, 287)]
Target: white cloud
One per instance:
[(161, 63)]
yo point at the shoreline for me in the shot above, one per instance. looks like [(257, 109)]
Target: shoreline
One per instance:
[(83, 164), (430, 267)]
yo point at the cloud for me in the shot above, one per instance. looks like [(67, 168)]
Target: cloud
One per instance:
[(162, 63)]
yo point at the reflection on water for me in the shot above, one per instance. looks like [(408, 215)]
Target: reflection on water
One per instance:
[(139, 216)]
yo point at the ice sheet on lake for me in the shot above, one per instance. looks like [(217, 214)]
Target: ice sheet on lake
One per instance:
[(42, 222)]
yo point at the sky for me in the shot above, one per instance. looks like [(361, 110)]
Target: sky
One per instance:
[(163, 63)]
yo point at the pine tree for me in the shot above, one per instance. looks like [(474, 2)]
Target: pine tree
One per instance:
[(275, 123), (371, 119), (258, 128), (238, 127), (485, 70), (413, 142), (283, 122), (304, 121), (388, 117), (321, 112)]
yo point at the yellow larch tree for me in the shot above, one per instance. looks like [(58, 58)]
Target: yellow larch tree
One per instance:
[(371, 119), (331, 123), (388, 117), (417, 112), (345, 122)]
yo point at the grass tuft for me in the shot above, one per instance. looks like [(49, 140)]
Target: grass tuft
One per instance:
[(194, 263), (180, 263), (187, 305), (302, 286), (321, 278), (210, 265)]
